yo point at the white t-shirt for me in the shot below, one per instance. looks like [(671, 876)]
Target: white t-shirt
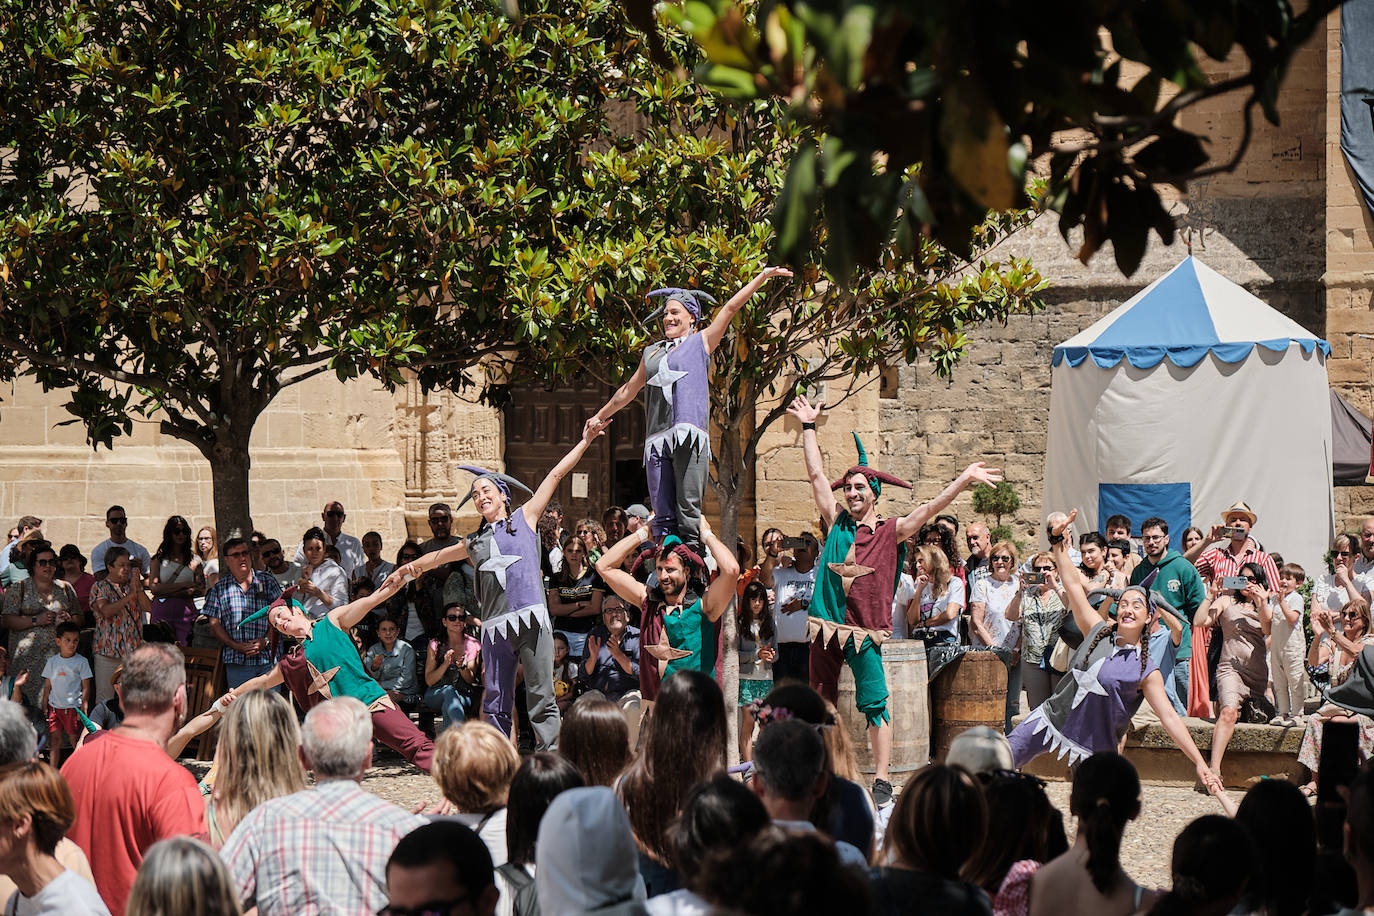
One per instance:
[(906, 590), (288, 576), (68, 894), (931, 607), (789, 584), (1280, 631), (333, 582), (996, 596), (66, 675), (134, 547)]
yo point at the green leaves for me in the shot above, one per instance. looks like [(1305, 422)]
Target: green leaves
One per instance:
[(970, 93)]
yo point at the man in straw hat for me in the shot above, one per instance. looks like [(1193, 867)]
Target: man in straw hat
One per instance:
[(510, 592), (1236, 523), (851, 606)]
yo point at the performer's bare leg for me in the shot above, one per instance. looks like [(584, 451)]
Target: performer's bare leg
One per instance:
[(880, 738)]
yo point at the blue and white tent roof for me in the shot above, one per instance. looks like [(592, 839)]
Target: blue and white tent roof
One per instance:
[(1184, 315)]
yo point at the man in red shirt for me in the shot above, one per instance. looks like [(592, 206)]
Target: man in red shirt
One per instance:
[(129, 794), (1227, 560)]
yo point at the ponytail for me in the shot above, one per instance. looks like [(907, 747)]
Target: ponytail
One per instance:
[(1105, 796)]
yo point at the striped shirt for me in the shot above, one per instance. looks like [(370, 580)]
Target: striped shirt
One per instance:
[(320, 851), (1220, 562)]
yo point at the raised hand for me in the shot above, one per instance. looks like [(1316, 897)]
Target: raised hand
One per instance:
[(804, 410), (594, 428), (770, 272), (978, 472), (1062, 526)]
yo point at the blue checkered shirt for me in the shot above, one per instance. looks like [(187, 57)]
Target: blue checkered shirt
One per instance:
[(228, 602)]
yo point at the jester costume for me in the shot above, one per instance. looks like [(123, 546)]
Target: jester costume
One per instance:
[(676, 637), (1093, 704), (515, 619), (326, 665), (677, 444), (851, 608)]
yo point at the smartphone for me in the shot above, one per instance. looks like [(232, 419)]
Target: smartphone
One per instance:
[(1337, 768), (1239, 583), (1230, 532), (1033, 578), (795, 543)]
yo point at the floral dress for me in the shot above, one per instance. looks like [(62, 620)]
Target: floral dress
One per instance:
[(1311, 751), (29, 649), (115, 637)]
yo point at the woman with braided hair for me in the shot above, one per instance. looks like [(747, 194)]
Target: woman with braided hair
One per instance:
[(1111, 672)]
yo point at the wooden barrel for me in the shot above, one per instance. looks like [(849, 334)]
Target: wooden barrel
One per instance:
[(969, 691), (904, 663)]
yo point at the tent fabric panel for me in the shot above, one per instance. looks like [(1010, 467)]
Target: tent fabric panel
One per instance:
[(1175, 313), (1172, 502), (1350, 443), (1175, 425)]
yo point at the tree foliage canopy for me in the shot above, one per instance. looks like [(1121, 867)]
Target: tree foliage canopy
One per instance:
[(931, 111)]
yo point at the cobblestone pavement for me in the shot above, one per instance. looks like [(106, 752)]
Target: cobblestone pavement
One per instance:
[(1149, 840)]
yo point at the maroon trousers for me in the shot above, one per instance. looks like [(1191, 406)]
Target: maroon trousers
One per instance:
[(394, 729)]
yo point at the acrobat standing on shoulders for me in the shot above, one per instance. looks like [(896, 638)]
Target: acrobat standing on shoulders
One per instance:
[(510, 593), (681, 612), (851, 608), (674, 375), (326, 664)]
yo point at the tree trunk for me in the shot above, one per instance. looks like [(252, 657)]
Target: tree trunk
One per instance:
[(229, 464), (733, 478)]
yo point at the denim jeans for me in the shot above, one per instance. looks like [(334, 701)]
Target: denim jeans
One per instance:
[(453, 705), (235, 675)]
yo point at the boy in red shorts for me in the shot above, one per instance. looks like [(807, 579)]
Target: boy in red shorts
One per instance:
[(67, 681)]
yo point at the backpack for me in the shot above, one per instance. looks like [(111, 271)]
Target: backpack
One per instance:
[(525, 902)]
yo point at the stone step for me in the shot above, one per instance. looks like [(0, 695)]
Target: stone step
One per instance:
[(1254, 751)]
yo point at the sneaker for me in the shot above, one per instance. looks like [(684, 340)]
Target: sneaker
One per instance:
[(882, 793), (1277, 720)]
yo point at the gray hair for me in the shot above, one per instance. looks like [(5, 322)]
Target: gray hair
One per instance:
[(18, 740), (152, 676), (182, 875), (789, 758), (337, 738)]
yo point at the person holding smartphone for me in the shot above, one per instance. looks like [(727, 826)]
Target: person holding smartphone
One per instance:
[(1040, 608), (1240, 605), (1337, 641)]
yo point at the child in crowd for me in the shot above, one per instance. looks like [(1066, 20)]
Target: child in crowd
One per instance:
[(11, 687), (1287, 647), (564, 672), (758, 648), (391, 661), (67, 685), (1119, 556)]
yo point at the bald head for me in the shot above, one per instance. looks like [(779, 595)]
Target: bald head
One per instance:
[(979, 540), (333, 517)]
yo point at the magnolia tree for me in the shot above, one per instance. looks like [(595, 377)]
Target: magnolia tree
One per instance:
[(204, 204)]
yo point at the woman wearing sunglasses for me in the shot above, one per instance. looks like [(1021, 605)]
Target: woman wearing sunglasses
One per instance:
[(453, 668), (1244, 616), (1337, 640), (1332, 590)]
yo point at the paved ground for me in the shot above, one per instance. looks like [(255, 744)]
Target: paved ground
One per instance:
[(1149, 841)]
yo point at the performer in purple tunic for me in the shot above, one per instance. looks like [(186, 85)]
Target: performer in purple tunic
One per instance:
[(1111, 672), (677, 405), (510, 593)]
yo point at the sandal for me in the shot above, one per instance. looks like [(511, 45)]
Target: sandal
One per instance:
[(1308, 791)]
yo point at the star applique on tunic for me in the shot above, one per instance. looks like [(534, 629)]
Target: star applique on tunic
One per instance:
[(674, 638), (676, 396), (849, 570)]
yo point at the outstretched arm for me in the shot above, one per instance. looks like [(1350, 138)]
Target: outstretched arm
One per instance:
[(1153, 689), (266, 681), (715, 331), (807, 412), (609, 567), (977, 472), (534, 507), (720, 592), (1084, 614), (623, 395), (348, 616)]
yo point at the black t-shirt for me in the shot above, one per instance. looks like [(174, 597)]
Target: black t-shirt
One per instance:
[(579, 589)]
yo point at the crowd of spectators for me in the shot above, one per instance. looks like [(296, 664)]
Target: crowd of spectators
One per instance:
[(635, 812)]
